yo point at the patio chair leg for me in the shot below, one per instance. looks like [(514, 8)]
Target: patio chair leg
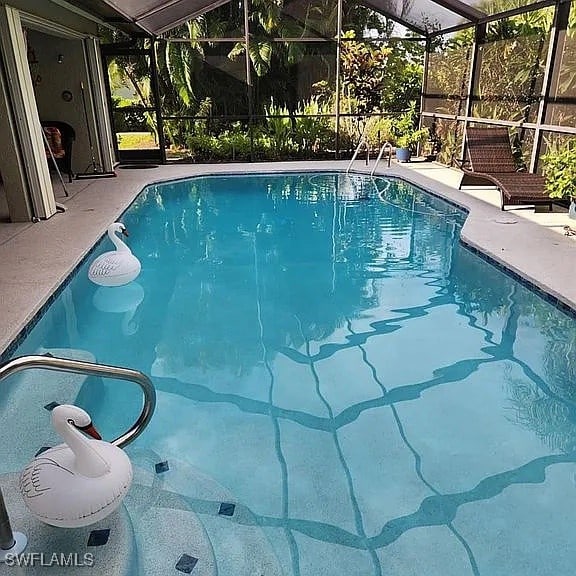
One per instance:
[(550, 207), (502, 200)]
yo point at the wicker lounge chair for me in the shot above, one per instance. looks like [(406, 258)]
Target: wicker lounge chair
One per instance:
[(490, 161)]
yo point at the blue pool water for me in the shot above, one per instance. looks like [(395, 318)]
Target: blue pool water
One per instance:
[(373, 395)]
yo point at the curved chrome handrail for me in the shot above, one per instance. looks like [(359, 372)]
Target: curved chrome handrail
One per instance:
[(362, 141), (385, 146), (91, 369)]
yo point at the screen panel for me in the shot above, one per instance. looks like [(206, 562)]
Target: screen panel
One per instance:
[(448, 76), (299, 74), (307, 19), (423, 15), (203, 76), (511, 64), (562, 103)]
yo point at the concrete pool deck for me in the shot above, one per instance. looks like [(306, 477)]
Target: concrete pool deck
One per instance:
[(36, 257)]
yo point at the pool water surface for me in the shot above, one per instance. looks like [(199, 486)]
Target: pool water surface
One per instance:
[(371, 394)]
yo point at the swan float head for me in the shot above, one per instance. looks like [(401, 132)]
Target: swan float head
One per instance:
[(79, 482), (116, 267)]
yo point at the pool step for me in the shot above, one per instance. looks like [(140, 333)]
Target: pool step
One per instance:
[(175, 519), (107, 547), (25, 401), (169, 539), (239, 546), (170, 536)]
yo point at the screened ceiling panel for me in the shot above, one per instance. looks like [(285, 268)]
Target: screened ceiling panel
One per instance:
[(157, 16), (136, 7), (173, 13), (426, 16)]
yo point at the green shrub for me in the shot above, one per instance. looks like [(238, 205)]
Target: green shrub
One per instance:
[(405, 131), (378, 131), (560, 171), (312, 131)]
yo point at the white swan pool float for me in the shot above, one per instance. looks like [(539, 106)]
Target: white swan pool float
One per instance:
[(117, 267), (77, 483)]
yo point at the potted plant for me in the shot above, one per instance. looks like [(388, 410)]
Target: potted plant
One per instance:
[(407, 136), (560, 173), (407, 144)]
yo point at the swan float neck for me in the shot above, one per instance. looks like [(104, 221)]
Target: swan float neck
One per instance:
[(88, 460), (116, 240)]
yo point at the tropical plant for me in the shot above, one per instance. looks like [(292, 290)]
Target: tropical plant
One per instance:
[(363, 66), (560, 170), (403, 75), (412, 139), (451, 137), (449, 70), (279, 128), (406, 132), (378, 130), (312, 129)]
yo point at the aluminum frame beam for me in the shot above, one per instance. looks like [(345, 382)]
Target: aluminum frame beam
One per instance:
[(461, 9)]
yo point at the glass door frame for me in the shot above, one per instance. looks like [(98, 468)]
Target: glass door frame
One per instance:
[(156, 155)]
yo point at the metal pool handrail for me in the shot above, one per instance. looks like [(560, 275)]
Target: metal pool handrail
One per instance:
[(385, 146), (91, 369), (363, 141), (357, 151)]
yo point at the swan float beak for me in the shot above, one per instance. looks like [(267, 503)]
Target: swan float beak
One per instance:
[(90, 430), (125, 232)]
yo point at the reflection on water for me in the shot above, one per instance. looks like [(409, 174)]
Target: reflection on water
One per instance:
[(397, 395), (300, 258), (121, 300)]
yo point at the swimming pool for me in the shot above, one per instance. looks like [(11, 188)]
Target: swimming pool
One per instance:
[(372, 395)]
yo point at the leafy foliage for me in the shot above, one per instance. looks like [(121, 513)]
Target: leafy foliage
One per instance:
[(363, 65), (405, 130), (380, 76), (560, 171)]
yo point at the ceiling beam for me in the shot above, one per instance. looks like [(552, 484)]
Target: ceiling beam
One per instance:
[(106, 12), (517, 11), (207, 4), (461, 9), (190, 16)]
